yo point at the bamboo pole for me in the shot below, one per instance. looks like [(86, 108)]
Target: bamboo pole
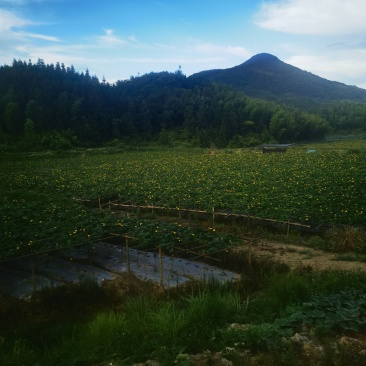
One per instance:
[(250, 254), (90, 252), (128, 256), (161, 281), (248, 217), (33, 267), (34, 282), (198, 255), (121, 249)]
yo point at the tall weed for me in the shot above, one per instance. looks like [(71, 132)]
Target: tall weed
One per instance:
[(169, 323), (21, 352), (107, 333), (282, 291)]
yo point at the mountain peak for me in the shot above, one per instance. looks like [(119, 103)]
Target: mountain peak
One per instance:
[(265, 76), (261, 58)]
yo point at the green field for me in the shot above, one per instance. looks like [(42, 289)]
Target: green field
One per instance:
[(41, 193)]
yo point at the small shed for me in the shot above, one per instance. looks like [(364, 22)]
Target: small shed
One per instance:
[(275, 148)]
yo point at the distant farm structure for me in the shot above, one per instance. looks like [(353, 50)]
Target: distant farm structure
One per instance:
[(275, 148)]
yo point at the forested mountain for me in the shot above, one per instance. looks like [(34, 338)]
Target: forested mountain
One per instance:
[(265, 76), (53, 106)]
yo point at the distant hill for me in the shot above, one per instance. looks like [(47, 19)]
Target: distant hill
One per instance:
[(47, 106), (264, 76)]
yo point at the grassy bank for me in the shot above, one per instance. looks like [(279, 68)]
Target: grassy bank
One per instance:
[(271, 302)]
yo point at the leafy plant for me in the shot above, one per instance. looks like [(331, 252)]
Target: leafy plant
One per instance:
[(345, 310), (316, 242)]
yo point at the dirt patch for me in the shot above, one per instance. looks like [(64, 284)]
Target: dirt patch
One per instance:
[(296, 256)]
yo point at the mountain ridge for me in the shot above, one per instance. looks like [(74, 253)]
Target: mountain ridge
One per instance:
[(265, 76)]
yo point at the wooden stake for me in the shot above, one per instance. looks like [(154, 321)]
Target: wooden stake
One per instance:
[(121, 249), (90, 253), (250, 254), (34, 284), (128, 256), (161, 266)]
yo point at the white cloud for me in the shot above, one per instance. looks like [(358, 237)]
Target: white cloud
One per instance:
[(9, 20), (12, 2), (334, 66), (109, 39), (314, 17), (133, 38), (221, 51), (39, 36), (238, 51)]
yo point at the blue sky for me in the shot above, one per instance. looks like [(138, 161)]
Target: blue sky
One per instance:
[(118, 39)]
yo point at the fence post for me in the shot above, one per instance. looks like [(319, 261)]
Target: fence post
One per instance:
[(213, 216), (161, 266), (34, 284), (250, 254), (121, 248), (100, 206), (127, 255), (90, 252)]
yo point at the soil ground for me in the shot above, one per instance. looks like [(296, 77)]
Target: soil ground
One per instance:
[(297, 256)]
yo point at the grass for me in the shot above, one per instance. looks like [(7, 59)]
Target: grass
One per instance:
[(143, 327), (106, 331), (350, 257)]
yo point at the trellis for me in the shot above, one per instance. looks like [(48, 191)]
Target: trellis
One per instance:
[(213, 214)]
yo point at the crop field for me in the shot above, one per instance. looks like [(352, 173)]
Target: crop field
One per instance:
[(41, 193)]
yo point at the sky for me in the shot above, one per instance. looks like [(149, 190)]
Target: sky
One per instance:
[(117, 39)]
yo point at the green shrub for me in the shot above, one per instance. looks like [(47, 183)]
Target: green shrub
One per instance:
[(316, 242)]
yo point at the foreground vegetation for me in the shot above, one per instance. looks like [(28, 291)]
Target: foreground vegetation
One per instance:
[(259, 315)]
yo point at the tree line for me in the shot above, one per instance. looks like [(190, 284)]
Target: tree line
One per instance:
[(53, 106)]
